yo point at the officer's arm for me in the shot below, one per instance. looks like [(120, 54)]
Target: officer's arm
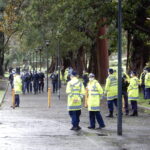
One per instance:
[(68, 88), (141, 78), (100, 90), (107, 85), (82, 89)]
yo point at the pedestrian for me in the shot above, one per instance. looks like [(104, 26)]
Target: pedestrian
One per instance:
[(125, 85), (111, 91), (142, 81), (147, 85), (133, 93), (17, 88), (75, 90), (95, 93)]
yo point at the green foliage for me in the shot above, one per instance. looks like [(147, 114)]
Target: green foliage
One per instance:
[(76, 22)]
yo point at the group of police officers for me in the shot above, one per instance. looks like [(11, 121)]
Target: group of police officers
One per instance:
[(26, 82), (76, 89), (130, 91)]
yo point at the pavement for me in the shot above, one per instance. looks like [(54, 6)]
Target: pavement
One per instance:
[(34, 126)]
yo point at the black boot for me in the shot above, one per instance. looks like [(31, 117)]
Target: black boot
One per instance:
[(135, 113), (110, 115)]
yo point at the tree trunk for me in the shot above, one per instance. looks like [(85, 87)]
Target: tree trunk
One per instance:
[(102, 56), (93, 61), (6, 65), (1, 53), (52, 65), (128, 50), (80, 61)]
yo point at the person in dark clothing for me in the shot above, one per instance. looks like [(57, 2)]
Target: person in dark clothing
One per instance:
[(85, 78), (54, 78), (11, 79), (125, 85), (27, 82), (41, 81), (142, 81), (30, 81), (36, 82)]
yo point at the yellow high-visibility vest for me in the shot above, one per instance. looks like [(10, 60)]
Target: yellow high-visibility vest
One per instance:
[(95, 92), (17, 84), (133, 89), (111, 87), (147, 80), (75, 91)]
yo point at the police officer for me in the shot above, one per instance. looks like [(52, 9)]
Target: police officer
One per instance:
[(85, 78), (147, 85), (75, 91), (11, 78), (17, 88), (36, 82), (125, 85), (133, 93), (111, 91), (30, 81), (54, 79), (27, 82), (142, 81), (95, 92), (41, 82)]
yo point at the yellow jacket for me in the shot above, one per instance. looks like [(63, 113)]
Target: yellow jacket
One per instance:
[(75, 91), (17, 84), (147, 80), (133, 89), (111, 87), (95, 92)]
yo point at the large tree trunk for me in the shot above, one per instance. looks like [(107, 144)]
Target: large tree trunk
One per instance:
[(80, 61), (6, 65), (1, 53), (52, 65), (102, 56), (93, 61)]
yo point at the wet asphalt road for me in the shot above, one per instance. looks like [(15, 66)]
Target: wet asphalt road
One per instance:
[(34, 126)]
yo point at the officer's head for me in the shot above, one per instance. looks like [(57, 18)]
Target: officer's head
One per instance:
[(110, 71), (148, 69), (133, 73), (145, 69), (73, 74), (13, 71), (91, 76)]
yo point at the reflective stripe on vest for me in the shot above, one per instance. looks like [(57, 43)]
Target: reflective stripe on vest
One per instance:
[(133, 98), (74, 107), (113, 81), (112, 97), (95, 108)]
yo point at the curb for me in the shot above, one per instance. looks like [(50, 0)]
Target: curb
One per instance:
[(4, 94)]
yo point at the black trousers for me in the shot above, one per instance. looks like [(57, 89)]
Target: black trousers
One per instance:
[(125, 96), (17, 100), (134, 105), (96, 115), (75, 117)]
